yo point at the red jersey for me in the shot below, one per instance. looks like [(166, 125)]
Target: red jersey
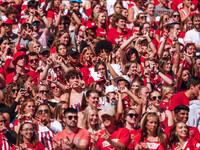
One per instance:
[(114, 36), (191, 144), (9, 77), (179, 99), (38, 146), (80, 134), (151, 145), (133, 133), (120, 135), (4, 143)]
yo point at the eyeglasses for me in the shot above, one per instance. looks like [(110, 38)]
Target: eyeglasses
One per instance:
[(34, 60), (15, 90), (70, 117), (176, 16), (28, 129), (156, 97), (2, 121), (133, 115), (44, 91), (36, 23), (54, 87), (46, 111)]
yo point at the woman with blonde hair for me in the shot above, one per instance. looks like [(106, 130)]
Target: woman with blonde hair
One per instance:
[(87, 55), (91, 121), (161, 29), (167, 92), (102, 24)]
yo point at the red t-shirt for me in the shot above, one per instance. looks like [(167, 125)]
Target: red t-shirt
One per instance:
[(120, 135), (81, 134), (191, 144), (179, 99), (113, 35), (9, 77), (165, 105), (151, 145), (38, 146), (133, 133)]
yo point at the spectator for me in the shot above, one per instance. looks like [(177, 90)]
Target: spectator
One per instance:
[(25, 140), (76, 137), (111, 132), (194, 32)]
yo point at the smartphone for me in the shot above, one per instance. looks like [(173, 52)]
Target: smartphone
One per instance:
[(22, 87)]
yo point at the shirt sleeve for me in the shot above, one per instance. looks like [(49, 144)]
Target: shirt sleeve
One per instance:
[(174, 102)]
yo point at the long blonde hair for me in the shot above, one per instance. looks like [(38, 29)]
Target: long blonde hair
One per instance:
[(86, 123)]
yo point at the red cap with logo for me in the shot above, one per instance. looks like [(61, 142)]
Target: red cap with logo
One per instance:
[(21, 47), (91, 25)]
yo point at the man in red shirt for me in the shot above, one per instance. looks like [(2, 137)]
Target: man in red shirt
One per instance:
[(118, 33), (20, 60), (71, 137), (111, 137), (181, 114), (183, 98)]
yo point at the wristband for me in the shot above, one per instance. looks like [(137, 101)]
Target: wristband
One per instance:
[(158, 72), (148, 82), (150, 42), (43, 15), (73, 146)]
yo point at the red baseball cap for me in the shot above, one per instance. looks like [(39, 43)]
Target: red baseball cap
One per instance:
[(8, 21), (91, 25), (21, 47), (17, 55), (96, 78)]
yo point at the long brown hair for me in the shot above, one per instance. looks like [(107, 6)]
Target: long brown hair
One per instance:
[(57, 41), (34, 139), (159, 131), (173, 139), (8, 100)]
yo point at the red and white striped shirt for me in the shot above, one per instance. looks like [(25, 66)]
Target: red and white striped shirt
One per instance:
[(4, 143), (45, 136)]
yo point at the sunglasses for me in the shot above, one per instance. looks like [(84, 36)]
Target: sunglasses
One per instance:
[(156, 97), (133, 115), (143, 17), (36, 23), (176, 16), (34, 60), (70, 117), (15, 90), (44, 91), (166, 19), (54, 87), (46, 111)]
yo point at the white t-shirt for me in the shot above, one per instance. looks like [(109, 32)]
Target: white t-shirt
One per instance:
[(193, 36)]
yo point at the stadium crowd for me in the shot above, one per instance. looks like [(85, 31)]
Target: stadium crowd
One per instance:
[(99, 75)]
